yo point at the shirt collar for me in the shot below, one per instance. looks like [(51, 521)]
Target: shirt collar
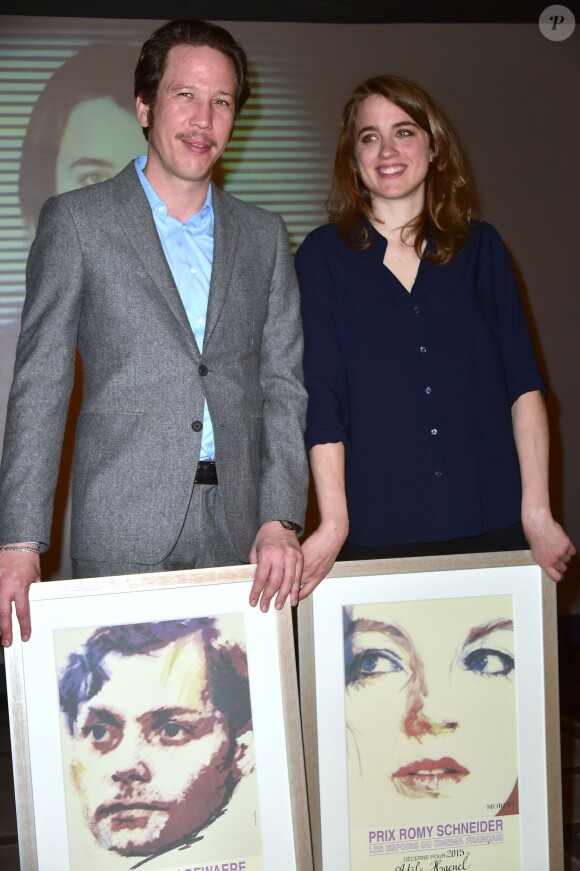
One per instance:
[(379, 243), (159, 208)]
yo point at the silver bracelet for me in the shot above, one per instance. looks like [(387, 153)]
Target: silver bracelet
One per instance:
[(23, 547)]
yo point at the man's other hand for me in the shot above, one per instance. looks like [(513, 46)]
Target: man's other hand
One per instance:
[(279, 560), (18, 570)]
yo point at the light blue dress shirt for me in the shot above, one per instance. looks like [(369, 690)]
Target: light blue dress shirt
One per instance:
[(188, 247)]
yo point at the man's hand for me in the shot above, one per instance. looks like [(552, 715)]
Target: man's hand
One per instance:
[(18, 570), (279, 566), (550, 546)]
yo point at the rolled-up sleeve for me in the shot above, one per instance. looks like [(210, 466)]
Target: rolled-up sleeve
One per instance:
[(324, 368), (517, 351)]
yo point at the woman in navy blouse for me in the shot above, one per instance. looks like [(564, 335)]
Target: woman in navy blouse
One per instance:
[(426, 427)]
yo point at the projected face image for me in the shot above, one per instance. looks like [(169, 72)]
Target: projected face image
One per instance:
[(99, 140), (82, 128), (430, 701)]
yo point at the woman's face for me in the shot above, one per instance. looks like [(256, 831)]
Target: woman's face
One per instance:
[(430, 701), (99, 140), (392, 153)]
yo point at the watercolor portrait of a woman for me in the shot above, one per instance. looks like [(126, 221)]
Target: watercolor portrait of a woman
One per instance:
[(431, 708)]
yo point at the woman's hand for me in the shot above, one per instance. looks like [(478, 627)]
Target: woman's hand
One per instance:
[(320, 551), (321, 548), (550, 546)]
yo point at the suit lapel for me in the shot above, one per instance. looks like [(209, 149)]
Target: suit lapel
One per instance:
[(138, 225), (226, 231)]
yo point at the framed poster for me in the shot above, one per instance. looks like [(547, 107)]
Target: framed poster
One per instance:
[(430, 715), (154, 722)]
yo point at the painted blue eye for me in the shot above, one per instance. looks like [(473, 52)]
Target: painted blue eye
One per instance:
[(371, 663), (489, 662)]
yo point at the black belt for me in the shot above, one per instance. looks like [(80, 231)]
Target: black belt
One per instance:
[(206, 472)]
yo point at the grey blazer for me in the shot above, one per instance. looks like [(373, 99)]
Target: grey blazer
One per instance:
[(97, 279)]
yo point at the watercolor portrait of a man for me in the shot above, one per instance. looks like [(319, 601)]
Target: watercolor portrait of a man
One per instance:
[(157, 720)]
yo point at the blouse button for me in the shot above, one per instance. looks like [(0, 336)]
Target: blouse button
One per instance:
[(423, 349), (434, 431), (428, 391)]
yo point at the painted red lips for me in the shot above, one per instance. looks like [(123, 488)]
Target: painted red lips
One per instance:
[(428, 777)]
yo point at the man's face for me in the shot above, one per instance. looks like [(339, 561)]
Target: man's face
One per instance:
[(192, 118), (149, 749)]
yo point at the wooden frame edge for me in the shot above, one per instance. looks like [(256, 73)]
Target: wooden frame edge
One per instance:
[(294, 745), (20, 754), (552, 719), (309, 722)]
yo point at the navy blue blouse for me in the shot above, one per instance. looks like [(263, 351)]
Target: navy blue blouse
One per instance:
[(418, 386)]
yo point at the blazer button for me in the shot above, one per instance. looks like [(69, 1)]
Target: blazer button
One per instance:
[(203, 370), (197, 426)]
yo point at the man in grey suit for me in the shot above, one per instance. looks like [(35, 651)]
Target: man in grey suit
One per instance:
[(183, 304)]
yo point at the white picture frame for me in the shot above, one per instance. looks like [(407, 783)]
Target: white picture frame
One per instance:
[(74, 608), (426, 587)]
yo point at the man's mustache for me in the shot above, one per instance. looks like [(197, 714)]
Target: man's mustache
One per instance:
[(200, 137)]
